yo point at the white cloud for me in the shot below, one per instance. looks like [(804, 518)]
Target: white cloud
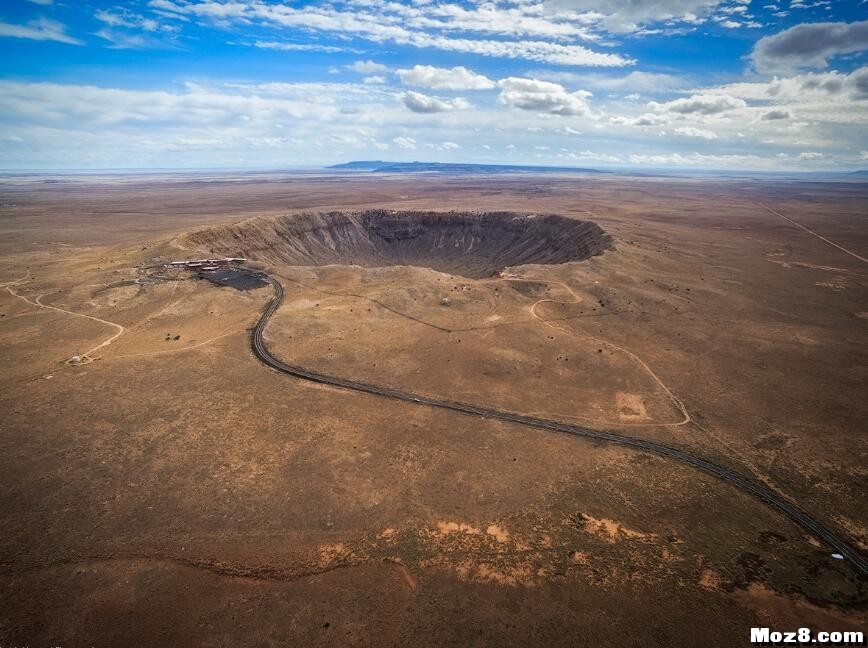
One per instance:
[(264, 123), (690, 131), (367, 67), (542, 96), (120, 40), (812, 86), (407, 143), (701, 160), (457, 78), (422, 103), (590, 156), (123, 18), (544, 51), (633, 82), (41, 29), (702, 104), (629, 15), (518, 20), (449, 146), (394, 22), (85, 126), (303, 47), (647, 119), (95, 108), (125, 29)]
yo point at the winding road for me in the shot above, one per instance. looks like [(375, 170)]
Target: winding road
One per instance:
[(749, 486)]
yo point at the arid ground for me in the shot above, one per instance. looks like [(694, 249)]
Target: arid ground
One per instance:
[(172, 490)]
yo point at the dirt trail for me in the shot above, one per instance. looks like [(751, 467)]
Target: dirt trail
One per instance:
[(813, 233), (85, 357), (576, 300), (179, 349)]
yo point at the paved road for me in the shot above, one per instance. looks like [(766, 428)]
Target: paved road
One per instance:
[(771, 498)]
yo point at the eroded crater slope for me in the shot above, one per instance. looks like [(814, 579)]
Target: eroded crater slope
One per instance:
[(471, 244)]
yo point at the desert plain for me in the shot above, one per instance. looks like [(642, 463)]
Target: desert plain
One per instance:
[(170, 489)]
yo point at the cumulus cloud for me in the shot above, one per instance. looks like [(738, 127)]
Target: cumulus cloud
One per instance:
[(648, 119), (422, 103), (407, 143), (858, 81), (817, 108), (810, 45), (700, 104), (542, 96), (812, 86), (690, 131), (41, 29), (367, 67), (81, 126), (457, 78)]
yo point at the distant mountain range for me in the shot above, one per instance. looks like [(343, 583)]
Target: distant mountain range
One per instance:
[(380, 166)]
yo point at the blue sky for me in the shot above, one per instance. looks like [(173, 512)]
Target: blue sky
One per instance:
[(732, 84)]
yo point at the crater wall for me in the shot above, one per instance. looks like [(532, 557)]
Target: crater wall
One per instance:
[(470, 244)]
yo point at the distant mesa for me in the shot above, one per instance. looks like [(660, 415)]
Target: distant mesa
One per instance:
[(379, 166), (470, 244), (361, 165)]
